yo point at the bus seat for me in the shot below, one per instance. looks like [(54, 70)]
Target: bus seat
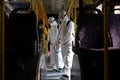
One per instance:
[(114, 23), (114, 60), (90, 31), (22, 30), (20, 59), (92, 63)]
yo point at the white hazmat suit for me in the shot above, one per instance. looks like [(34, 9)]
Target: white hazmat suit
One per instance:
[(56, 56), (66, 37)]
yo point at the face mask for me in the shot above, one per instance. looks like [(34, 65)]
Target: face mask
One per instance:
[(64, 19), (50, 24)]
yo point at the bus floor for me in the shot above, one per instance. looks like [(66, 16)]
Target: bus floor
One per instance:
[(46, 74)]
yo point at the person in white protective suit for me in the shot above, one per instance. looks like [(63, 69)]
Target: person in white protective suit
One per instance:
[(55, 56), (66, 37)]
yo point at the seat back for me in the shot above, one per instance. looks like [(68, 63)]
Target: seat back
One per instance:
[(114, 23), (20, 37), (21, 31), (114, 58), (91, 48), (90, 30), (92, 63)]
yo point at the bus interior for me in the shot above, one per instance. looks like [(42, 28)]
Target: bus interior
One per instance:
[(97, 40)]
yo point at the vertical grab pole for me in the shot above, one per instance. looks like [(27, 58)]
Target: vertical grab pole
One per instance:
[(1, 39), (105, 40), (69, 8), (75, 16), (39, 55)]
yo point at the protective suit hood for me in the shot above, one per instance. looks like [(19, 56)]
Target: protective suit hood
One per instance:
[(52, 21), (63, 15)]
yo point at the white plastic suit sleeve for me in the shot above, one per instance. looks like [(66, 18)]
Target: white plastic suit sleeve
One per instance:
[(69, 33), (48, 36)]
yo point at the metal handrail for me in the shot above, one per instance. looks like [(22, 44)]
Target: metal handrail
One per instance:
[(40, 13), (75, 16), (2, 39), (38, 69), (105, 40), (72, 5)]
